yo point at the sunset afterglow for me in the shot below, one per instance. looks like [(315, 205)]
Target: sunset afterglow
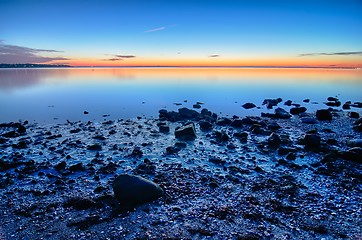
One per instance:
[(182, 33)]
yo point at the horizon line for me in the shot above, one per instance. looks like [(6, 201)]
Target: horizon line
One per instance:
[(177, 66)]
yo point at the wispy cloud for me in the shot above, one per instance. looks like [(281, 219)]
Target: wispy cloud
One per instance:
[(155, 29), (160, 28), (17, 54), (330, 54), (119, 57), (214, 55)]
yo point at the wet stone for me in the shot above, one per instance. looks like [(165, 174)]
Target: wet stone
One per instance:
[(323, 115), (248, 105), (94, 147), (131, 190), (353, 115), (186, 132)]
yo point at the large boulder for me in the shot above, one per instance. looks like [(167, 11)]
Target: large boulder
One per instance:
[(131, 191)]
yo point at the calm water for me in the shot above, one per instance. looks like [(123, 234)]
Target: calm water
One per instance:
[(53, 95)]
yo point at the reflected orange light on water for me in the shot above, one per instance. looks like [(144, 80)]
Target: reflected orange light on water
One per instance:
[(233, 75)]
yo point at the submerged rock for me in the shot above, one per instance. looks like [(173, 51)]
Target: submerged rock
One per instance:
[(186, 132), (131, 190)]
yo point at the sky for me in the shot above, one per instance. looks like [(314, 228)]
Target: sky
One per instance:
[(308, 33)]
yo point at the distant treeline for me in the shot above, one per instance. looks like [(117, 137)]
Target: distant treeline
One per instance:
[(31, 65)]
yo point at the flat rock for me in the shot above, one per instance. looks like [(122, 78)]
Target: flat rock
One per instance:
[(186, 132), (248, 105), (131, 190)]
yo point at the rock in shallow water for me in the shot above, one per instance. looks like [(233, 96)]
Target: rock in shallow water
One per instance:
[(131, 190), (323, 114)]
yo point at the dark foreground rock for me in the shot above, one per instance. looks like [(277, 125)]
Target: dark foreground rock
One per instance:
[(132, 190)]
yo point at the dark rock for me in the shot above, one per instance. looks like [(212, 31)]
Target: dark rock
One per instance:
[(354, 143), (308, 120), (223, 122), (85, 112), (164, 128), (180, 145), (332, 141), (297, 110), (11, 134), (237, 123), (306, 100), (248, 105), (231, 146), (346, 106), (136, 152), (197, 106), (270, 103), (186, 132), (217, 160), (60, 166), (205, 125), (285, 150), (21, 128), (354, 115), (358, 127), (188, 113), (274, 140), (312, 140), (147, 167), (77, 130), (323, 114), (357, 104), (84, 222), (249, 121), (273, 126), (79, 203), (221, 136), (76, 167), (20, 145), (281, 113), (243, 136), (333, 104), (172, 150), (288, 103), (353, 154), (3, 140), (332, 99), (291, 156), (132, 190), (94, 147), (99, 137)]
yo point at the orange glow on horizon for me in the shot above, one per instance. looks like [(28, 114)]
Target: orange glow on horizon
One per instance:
[(220, 62)]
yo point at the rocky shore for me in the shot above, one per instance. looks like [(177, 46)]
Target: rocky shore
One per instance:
[(287, 174)]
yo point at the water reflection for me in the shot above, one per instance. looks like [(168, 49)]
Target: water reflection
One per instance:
[(129, 92)]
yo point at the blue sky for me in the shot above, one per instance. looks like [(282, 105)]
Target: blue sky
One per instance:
[(235, 32)]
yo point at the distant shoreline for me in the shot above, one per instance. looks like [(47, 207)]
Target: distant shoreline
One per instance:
[(30, 65)]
